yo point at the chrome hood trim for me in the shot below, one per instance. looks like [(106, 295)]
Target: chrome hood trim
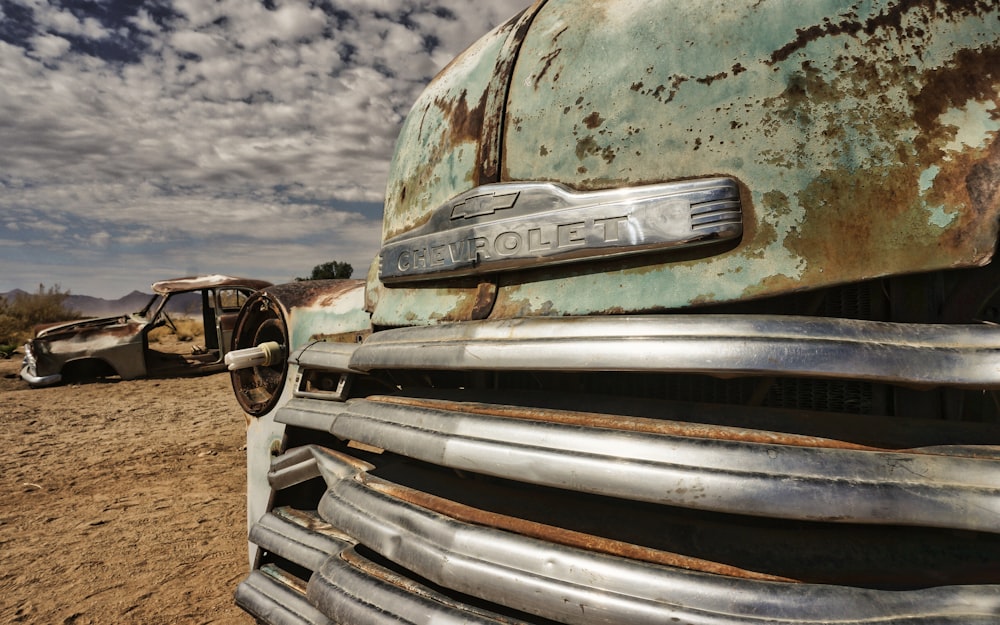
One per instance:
[(509, 226)]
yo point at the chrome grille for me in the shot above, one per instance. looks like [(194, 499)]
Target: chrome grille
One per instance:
[(464, 502)]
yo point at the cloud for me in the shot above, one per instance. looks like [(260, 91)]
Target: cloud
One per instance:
[(59, 20), (49, 46), (212, 127)]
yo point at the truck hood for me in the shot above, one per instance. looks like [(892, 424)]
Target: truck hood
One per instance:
[(859, 149)]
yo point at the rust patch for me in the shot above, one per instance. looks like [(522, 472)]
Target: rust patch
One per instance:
[(983, 182), (375, 571), (310, 293), (708, 80), (891, 18), (594, 120), (971, 76), (878, 217), (657, 92), (804, 36), (490, 135), (462, 125), (840, 227), (969, 180), (546, 64), (558, 535), (586, 146), (342, 337), (486, 293), (464, 122), (626, 423)]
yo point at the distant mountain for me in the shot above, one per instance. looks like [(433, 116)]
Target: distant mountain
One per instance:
[(88, 306), (96, 307)]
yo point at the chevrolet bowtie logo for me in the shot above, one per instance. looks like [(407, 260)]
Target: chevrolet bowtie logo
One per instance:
[(485, 204)]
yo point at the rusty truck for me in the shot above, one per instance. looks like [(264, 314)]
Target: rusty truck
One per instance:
[(684, 312)]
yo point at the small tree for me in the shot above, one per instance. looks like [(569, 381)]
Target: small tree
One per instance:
[(333, 270)]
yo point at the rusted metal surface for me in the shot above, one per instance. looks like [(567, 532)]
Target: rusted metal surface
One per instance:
[(310, 293), (450, 143), (865, 141), (481, 553), (340, 304), (557, 535), (197, 283), (865, 138), (317, 310), (626, 424), (458, 300), (116, 341), (973, 440), (863, 431), (927, 355), (441, 150), (946, 488), (494, 122), (291, 315)]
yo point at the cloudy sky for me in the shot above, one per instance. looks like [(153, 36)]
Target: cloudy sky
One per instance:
[(147, 139)]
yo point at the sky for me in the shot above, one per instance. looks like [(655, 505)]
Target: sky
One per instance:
[(149, 139)]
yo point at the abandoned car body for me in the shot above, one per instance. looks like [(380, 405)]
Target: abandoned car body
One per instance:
[(120, 345), (685, 312)]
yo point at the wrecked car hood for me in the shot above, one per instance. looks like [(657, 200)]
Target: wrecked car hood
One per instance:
[(80, 325)]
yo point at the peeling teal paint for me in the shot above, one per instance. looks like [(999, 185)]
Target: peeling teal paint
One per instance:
[(940, 217), (436, 151), (854, 130), (778, 111), (927, 178), (977, 124), (310, 322), (342, 314)]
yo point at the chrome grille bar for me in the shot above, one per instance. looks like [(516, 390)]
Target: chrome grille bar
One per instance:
[(555, 448), (958, 355), (298, 536), (574, 585), (344, 586), (270, 601), (352, 590)]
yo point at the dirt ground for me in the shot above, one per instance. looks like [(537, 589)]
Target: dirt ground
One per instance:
[(123, 501)]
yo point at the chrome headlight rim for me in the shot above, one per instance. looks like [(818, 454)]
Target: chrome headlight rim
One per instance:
[(258, 387)]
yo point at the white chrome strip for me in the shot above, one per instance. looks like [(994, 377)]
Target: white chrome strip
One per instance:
[(958, 355)]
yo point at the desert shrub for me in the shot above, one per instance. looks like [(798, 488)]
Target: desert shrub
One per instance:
[(19, 316), (10, 331)]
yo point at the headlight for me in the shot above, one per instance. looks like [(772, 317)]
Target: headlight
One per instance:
[(29, 357), (259, 356)]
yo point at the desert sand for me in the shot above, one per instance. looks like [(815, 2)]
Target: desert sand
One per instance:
[(123, 501)]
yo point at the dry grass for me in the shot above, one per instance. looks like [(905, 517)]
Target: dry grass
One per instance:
[(188, 329)]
